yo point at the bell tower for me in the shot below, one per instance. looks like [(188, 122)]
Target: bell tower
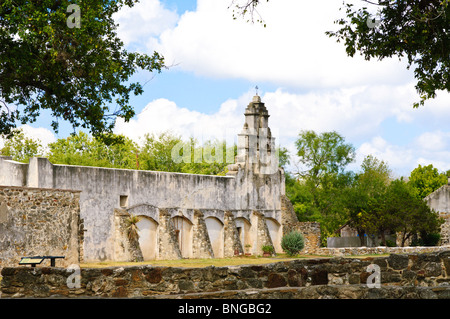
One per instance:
[(256, 147)]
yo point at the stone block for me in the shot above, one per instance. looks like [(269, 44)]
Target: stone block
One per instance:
[(397, 262), (275, 280)]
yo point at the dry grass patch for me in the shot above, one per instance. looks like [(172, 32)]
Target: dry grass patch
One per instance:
[(191, 263)]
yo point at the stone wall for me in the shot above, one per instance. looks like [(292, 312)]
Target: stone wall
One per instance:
[(103, 188), (37, 222), (232, 243), (412, 270), (439, 200), (361, 251)]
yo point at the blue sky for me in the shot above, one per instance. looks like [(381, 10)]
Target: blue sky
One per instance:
[(304, 77)]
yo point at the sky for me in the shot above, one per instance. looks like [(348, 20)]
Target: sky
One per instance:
[(305, 79)]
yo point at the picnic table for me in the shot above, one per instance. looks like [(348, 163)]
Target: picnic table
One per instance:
[(36, 260)]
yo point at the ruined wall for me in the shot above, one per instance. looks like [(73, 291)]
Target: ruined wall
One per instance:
[(310, 230), (439, 200), (304, 278), (232, 243), (36, 222), (103, 189)]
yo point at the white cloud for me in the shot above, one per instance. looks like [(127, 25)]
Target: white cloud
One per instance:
[(428, 148), (356, 114), (319, 87), (43, 135), (292, 50), (141, 24), (162, 115)]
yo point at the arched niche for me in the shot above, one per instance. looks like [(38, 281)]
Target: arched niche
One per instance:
[(148, 237), (215, 232), (275, 233), (183, 229), (243, 227)]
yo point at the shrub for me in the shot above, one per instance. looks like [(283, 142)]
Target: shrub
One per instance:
[(267, 249), (292, 243)]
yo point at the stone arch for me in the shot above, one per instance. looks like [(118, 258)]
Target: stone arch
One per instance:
[(216, 236), (148, 237), (244, 230), (275, 233), (183, 230)]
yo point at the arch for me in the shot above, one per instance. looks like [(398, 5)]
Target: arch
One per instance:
[(244, 229), (275, 233), (215, 232), (183, 229), (148, 237)]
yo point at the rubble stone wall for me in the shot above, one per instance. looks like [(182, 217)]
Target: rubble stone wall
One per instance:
[(39, 222), (297, 277)]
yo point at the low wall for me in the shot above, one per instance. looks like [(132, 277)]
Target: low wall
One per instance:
[(413, 270), (380, 250)]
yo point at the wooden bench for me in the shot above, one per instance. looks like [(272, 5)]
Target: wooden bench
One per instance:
[(36, 260)]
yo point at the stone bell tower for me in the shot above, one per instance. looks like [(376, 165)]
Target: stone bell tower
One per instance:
[(256, 146), (259, 179)]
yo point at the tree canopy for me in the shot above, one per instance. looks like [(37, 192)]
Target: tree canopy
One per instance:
[(415, 29), (322, 154), (426, 179), (80, 72)]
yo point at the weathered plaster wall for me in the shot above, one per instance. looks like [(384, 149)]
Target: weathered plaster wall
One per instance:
[(177, 208), (37, 222), (101, 189), (440, 202)]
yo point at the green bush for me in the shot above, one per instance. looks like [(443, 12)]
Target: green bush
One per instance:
[(292, 243)]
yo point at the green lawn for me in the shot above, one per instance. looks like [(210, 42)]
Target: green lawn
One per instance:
[(217, 262)]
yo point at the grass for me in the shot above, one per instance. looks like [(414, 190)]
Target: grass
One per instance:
[(194, 263)]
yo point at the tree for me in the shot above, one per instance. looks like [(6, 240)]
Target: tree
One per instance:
[(415, 29), (246, 7), (317, 192), (80, 72), (409, 215), (323, 154), (21, 148), (156, 152), (170, 153), (85, 150), (363, 197), (426, 179)]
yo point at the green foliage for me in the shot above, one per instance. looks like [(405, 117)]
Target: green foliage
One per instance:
[(417, 30), (323, 154), (168, 152), (156, 153), (283, 157), (426, 239), (292, 243), (362, 197), (267, 249), (426, 179), (317, 193), (21, 147), (369, 201), (82, 149), (77, 74)]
